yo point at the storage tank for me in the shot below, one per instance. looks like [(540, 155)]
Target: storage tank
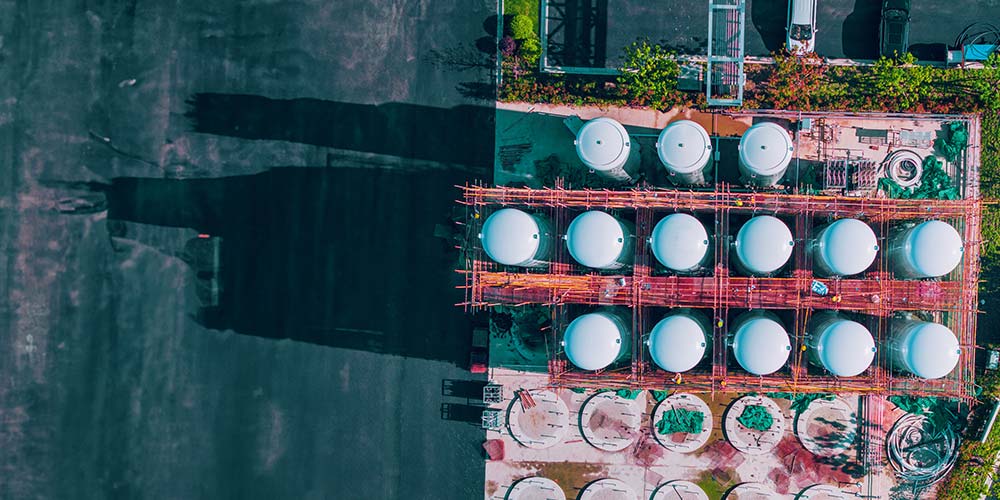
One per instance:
[(516, 238), (844, 248), (927, 350), (680, 242), (763, 245), (679, 341), (765, 152), (685, 150), (596, 340), (605, 147), (927, 250), (843, 347), (761, 344), (600, 240)]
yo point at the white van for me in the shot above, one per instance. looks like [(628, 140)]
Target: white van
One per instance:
[(801, 26)]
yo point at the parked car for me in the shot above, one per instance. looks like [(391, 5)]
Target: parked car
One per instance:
[(801, 26), (894, 32)]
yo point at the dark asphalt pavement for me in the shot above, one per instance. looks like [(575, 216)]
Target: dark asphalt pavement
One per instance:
[(320, 374), (845, 28)]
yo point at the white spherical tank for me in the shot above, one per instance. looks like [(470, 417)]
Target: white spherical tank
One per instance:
[(844, 248), (927, 350), (763, 245), (605, 147), (680, 242), (600, 240), (761, 344), (516, 238), (685, 149), (927, 250), (843, 347), (596, 340), (679, 341), (765, 152)]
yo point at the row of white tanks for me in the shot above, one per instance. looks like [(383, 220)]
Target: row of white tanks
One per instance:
[(685, 150), (761, 345), (763, 245)]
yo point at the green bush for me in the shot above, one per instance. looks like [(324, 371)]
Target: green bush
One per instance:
[(522, 28), (530, 50), (649, 74)]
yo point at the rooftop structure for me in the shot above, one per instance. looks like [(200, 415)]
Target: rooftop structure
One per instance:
[(876, 296)]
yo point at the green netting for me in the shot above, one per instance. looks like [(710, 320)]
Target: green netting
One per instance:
[(934, 184), (658, 395), (756, 417), (800, 401), (940, 413), (680, 420), (629, 393), (578, 390), (956, 140)]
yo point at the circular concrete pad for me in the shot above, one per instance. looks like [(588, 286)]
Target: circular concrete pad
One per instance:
[(679, 490), (608, 489), (752, 441), (610, 422), (682, 442), (823, 492), (751, 491), (542, 425), (826, 428), (535, 488)]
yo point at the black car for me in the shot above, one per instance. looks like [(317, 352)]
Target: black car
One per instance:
[(894, 33)]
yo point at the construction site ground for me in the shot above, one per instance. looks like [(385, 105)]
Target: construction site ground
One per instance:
[(645, 465)]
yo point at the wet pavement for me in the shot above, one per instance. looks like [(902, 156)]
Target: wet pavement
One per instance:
[(302, 134)]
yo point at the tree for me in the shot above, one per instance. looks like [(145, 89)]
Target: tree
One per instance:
[(795, 82), (649, 74), (899, 83), (986, 82)]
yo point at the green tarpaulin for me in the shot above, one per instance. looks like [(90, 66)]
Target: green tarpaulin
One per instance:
[(800, 401), (935, 184), (658, 395), (680, 420), (756, 417)]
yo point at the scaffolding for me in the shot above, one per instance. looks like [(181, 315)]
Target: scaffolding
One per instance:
[(565, 286), (724, 76)]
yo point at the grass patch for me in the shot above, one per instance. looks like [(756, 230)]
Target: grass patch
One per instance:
[(711, 486), (968, 480)]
